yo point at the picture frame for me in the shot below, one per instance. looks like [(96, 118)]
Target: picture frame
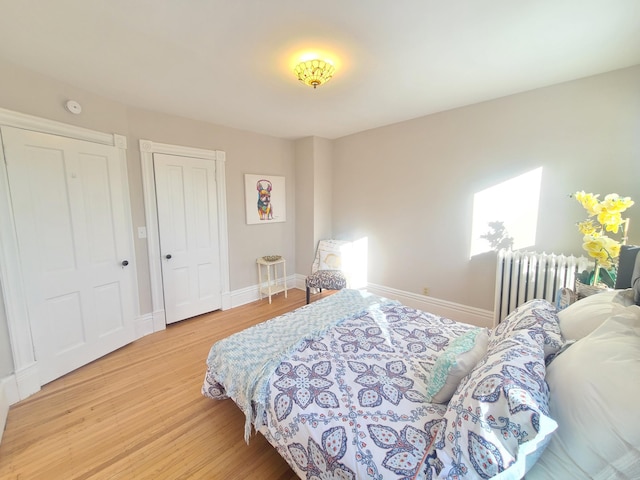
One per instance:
[(265, 199)]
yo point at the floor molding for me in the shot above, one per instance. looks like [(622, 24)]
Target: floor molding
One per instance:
[(144, 325), (4, 410), (8, 396), (252, 294), (444, 308)]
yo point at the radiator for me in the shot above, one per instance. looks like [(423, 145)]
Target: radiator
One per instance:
[(522, 276)]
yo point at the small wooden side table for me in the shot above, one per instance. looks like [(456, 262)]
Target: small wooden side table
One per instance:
[(274, 284)]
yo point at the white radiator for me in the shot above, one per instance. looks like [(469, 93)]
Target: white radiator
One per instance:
[(522, 276)]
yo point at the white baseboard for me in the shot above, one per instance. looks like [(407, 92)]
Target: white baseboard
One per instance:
[(158, 320), (9, 394), (251, 294), (226, 300), (4, 408), (9, 386), (4, 411), (443, 308), (144, 325), (244, 296), (27, 381), (299, 281)]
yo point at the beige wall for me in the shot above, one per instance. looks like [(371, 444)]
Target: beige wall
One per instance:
[(304, 202), (409, 187), (313, 197), (323, 191)]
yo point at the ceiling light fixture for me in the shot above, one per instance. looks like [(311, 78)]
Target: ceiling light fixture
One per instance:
[(314, 72)]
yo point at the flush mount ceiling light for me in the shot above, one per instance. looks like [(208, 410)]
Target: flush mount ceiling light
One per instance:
[(314, 72)]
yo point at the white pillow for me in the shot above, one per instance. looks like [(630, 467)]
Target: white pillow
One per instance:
[(623, 297), (455, 363), (582, 317), (330, 260), (594, 398)]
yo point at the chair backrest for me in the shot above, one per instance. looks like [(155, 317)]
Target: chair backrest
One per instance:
[(329, 255), (626, 264)]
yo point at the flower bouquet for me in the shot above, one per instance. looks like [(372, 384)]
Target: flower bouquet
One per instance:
[(604, 220)]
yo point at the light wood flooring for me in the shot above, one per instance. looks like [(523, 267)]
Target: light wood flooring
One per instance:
[(138, 413)]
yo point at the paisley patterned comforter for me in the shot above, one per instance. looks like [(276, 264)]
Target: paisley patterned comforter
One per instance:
[(347, 400)]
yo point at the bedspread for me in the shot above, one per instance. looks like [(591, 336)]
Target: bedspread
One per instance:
[(244, 366), (349, 401)]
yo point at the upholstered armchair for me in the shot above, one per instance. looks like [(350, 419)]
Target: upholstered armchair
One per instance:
[(327, 271)]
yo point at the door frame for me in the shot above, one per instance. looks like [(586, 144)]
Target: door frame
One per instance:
[(147, 149), (25, 365)]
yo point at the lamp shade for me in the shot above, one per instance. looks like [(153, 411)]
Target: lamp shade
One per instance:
[(314, 72)]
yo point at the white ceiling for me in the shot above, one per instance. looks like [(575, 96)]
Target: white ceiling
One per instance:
[(230, 62)]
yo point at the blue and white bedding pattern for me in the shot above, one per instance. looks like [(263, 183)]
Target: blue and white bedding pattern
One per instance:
[(347, 399), (244, 362)]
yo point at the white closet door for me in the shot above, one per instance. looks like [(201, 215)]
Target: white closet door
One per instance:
[(189, 238), (70, 205)]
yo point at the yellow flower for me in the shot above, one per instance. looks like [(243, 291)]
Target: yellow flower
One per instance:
[(589, 201), (602, 248), (608, 218), (611, 246), (588, 228), (611, 221), (613, 203), (592, 245)]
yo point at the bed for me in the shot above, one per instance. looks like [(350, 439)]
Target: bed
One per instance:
[(357, 386)]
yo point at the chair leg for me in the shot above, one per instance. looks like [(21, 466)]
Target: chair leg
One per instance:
[(308, 295)]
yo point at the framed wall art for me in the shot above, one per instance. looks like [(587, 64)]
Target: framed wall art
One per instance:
[(265, 199)]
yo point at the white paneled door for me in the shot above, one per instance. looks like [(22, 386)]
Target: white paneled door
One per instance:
[(70, 205), (189, 237)]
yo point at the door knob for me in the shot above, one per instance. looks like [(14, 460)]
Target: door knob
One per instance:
[(125, 263), (168, 256)]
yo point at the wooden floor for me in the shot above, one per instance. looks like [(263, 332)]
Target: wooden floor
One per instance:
[(138, 413)]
